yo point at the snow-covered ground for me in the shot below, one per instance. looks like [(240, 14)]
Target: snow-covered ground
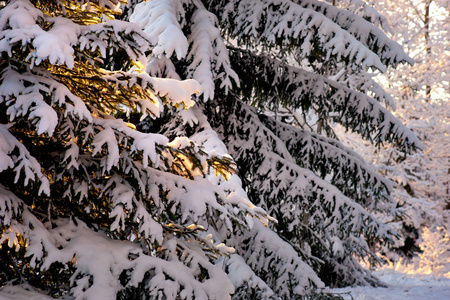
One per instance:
[(401, 286)]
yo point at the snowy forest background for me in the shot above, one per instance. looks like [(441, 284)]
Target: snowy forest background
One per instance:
[(187, 149)]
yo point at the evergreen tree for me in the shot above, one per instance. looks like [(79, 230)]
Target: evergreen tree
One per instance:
[(216, 185), (422, 190)]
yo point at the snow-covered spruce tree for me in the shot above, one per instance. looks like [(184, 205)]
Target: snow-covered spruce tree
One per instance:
[(91, 208), (94, 208), (268, 71)]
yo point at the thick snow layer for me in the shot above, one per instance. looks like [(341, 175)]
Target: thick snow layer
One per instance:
[(401, 286), (21, 292), (159, 21)]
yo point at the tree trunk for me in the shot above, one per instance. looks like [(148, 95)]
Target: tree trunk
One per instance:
[(427, 44)]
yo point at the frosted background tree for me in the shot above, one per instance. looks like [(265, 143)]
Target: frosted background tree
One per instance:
[(175, 151)]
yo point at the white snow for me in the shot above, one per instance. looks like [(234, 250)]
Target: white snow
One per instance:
[(107, 137), (292, 21), (177, 91), (240, 273), (401, 286), (21, 292), (209, 54), (25, 162), (159, 21)]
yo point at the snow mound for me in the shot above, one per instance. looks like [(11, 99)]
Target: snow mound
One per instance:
[(401, 286)]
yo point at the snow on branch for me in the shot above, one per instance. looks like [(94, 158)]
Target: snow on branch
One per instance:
[(228, 183), (135, 91), (114, 35), (279, 23), (59, 40), (152, 200), (328, 156), (364, 82), (231, 185), (23, 162), (345, 269), (278, 263), (177, 168), (192, 200), (204, 48), (244, 278), (208, 54), (271, 174), (160, 21), (26, 94), (367, 12), (10, 208), (371, 36), (20, 24), (161, 67), (98, 277), (271, 82)]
